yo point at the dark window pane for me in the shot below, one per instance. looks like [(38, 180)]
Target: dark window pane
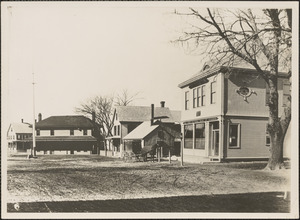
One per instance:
[(188, 136), (200, 136), (233, 135)]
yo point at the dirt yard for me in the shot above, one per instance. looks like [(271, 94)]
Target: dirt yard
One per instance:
[(92, 177)]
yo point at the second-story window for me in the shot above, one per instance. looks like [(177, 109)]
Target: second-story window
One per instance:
[(118, 129), (115, 130), (51, 132), (195, 96), (71, 132), (38, 132), (213, 92), (84, 132), (201, 96), (186, 107)]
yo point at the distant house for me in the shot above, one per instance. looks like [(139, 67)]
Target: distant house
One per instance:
[(129, 118), (225, 114), (71, 134), (16, 135)]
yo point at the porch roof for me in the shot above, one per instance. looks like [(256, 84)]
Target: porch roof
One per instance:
[(141, 131)]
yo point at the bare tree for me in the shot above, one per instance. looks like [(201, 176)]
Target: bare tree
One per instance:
[(102, 107), (124, 98), (261, 38)]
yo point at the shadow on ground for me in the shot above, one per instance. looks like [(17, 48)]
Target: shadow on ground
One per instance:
[(268, 202)]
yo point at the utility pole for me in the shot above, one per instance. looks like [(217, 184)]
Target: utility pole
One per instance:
[(33, 151)]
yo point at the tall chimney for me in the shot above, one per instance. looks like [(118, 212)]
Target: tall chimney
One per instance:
[(22, 120), (93, 116), (152, 114), (162, 104), (40, 117)]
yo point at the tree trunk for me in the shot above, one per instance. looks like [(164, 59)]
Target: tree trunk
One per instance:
[(276, 128)]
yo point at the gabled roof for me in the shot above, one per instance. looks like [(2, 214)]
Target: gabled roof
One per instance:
[(141, 131), (21, 128), (143, 113), (212, 71), (68, 121)]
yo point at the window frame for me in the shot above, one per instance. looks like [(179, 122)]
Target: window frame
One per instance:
[(213, 92), (268, 139), (84, 131), (195, 96), (184, 137), (195, 134), (238, 145), (186, 100)]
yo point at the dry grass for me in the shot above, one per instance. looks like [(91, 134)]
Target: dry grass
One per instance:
[(92, 177)]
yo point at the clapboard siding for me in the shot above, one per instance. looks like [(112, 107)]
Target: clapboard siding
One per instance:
[(252, 139)]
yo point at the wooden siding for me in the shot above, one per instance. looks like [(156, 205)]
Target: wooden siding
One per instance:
[(252, 138), (256, 103), (126, 126), (208, 109), (64, 132)]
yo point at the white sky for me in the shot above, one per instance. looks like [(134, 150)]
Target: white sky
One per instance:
[(80, 51)]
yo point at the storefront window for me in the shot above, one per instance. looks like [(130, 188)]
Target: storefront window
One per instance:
[(200, 136), (188, 136)]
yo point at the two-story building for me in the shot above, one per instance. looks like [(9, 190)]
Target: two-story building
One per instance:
[(225, 114), (17, 134), (71, 134), (128, 118)]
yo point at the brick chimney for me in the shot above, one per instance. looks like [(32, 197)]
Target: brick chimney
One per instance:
[(152, 114), (40, 117), (162, 104)]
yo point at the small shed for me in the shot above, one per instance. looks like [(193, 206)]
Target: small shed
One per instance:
[(151, 138)]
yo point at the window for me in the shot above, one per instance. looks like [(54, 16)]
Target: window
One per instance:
[(200, 136), (186, 100), (195, 96), (203, 96), (18, 136), (213, 92), (267, 94), (286, 92), (268, 140), (84, 132), (188, 136), (52, 132), (115, 130), (71, 132), (38, 132), (199, 96), (118, 129), (234, 136)]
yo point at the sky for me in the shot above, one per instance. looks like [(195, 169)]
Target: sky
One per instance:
[(79, 51)]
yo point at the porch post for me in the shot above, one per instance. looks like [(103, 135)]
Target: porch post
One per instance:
[(221, 133)]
